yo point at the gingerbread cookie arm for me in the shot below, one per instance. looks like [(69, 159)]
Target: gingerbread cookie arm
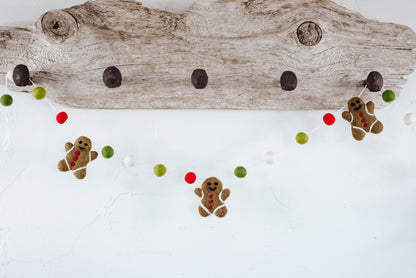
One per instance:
[(370, 107), (94, 155), (346, 115), (225, 194), (198, 191), (68, 146)]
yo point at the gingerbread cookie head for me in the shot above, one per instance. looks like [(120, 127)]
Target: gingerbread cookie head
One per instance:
[(212, 186), (83, 144), (356, 105)]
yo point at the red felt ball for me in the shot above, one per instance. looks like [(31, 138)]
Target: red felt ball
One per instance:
[(190, 177), (61, 117), (329, 119)]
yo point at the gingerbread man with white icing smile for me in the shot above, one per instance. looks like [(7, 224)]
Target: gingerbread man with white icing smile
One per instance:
[(362, 118), (78, 156), (213, 197)]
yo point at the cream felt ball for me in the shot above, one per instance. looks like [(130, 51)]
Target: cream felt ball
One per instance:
[(270, 157), (129, 161), (410, 118)]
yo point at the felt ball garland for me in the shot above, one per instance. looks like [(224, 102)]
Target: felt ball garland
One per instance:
[(6, 100), (388, 96), (270, 157), (240, 172), (107, 152), (21, 77), (39, 93), (190, 177), (129, 161), (409, 118), (329, 119), (374, 83), (302, 138), (61, 117), (159, 170)]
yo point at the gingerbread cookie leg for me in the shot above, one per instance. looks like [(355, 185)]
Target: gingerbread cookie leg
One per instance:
[(221, 212), (358, 134), (377, 127), (202, 212), (80, 174), (62, 166)]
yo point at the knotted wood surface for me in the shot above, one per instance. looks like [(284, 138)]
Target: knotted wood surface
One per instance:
[(243, 46)]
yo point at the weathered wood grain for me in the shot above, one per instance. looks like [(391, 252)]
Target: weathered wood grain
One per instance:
[(244, 47)]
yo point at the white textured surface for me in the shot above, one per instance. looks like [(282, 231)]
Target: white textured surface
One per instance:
[(331, 208)]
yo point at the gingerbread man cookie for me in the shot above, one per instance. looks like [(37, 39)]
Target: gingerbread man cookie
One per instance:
[(362, 118), (212, 198), (78, 156)]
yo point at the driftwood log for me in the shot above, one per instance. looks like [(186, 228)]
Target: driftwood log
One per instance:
[(239, 48)]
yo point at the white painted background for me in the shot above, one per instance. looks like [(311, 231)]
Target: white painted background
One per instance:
[(331, 208)]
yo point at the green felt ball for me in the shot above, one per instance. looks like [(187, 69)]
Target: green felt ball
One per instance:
[(107, 152), (302, 138), (240, 172), (159, 170), (39, 93), (388, 96), (6, 100)]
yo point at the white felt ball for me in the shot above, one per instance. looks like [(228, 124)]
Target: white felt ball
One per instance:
[(270, 157), (410, 118), (129, 161), (9, 75)]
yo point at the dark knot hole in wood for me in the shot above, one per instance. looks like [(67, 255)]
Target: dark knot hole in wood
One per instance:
[(288, 81), (374, 81), (112, 77), (309, 33), (59, 25), (199, 79)]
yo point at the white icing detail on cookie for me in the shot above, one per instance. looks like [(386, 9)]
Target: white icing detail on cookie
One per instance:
[(223, 205), (373, 124), (204, 208), (356, 127)]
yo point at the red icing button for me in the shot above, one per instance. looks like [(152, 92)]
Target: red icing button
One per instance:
[(211, 201), (210, 196), (210, 207), (77, 153), (361, 114), (365, 125), (75, 158), (362, 121), (72, 163)]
